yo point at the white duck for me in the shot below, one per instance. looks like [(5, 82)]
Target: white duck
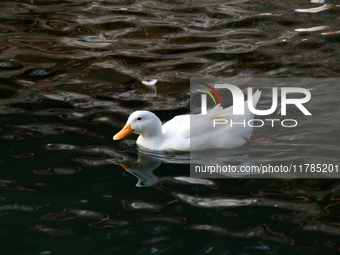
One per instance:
[(190, 132)]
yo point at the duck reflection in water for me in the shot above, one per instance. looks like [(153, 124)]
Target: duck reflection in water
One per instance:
[(146, 163), (143, 169)]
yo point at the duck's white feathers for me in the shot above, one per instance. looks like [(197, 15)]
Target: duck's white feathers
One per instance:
[(196, 131)]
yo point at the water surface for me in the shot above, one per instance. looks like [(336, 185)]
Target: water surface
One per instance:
[(70, 74)]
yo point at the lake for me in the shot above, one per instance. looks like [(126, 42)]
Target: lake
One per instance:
[(71, 72)]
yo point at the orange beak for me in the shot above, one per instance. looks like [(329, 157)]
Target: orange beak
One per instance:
[(124, 132)]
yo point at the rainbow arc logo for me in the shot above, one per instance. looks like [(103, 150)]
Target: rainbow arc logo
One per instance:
[(208, 92)]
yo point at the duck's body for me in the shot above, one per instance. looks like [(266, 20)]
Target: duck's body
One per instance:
[(174, 135), (190, 132)]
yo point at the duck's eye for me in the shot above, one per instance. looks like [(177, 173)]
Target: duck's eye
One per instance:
[(139, 118)]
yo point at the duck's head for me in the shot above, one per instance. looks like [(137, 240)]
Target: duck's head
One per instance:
[(145, 123)]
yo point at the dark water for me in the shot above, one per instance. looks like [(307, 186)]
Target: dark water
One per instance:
[(70, 74)]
